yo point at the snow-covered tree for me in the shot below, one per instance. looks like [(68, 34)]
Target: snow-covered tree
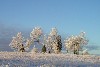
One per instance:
[(55, 39), (76, 43), (17, 42)]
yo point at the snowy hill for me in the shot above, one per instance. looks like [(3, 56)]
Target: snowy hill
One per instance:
[(28, 59)]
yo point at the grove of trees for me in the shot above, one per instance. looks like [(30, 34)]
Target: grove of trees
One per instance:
[(52, 42)]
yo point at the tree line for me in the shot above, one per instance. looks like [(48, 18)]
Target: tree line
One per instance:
[(51, 43)]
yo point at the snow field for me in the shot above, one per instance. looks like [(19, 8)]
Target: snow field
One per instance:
[(29, 59)]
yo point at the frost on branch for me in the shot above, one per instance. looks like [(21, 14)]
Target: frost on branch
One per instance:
[(17, 42), (28, 43), (75, 43), (53, 32), (36, 33)]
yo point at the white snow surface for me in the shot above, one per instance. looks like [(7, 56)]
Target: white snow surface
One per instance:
[(29, 59)]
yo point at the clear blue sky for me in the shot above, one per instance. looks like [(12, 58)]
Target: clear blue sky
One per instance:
[(69, 16)]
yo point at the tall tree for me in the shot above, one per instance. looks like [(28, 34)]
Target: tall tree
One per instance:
[(58, 38)]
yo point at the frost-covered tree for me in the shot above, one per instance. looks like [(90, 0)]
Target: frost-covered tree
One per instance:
[(55, 40), (17, 42), (75, 43)]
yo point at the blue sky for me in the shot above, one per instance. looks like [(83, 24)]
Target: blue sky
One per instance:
[(70, 17)]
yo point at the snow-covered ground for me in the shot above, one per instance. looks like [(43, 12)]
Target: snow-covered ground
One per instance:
[(28, 59)]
